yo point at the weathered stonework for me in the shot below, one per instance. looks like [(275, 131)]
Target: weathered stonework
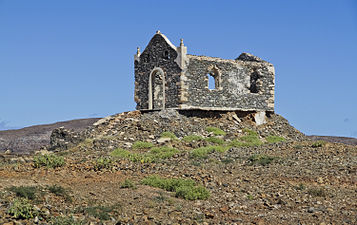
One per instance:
[(167, 77)]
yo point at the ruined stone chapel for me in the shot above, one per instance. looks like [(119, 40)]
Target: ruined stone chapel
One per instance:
[(167, 77)]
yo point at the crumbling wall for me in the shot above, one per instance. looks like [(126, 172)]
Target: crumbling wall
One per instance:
[(158, 54), (246, 83)]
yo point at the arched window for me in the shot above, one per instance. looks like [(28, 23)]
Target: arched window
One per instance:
[(213, 78), (211, 82)]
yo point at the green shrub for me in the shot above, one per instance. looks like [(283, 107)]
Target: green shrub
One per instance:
[(48, 160), (250, 132), (318, 144), (251, 138), (191, 138), (183, 188), (154, 155), (28, 192), (261, 159), (168, 134), (203, 152), (317, 192), (65, 220), (192, 192), (250, 197), (59, 191), (215, 140), (142, 145), (22, 209), (127, 184), (100, 212), (274, 139), (103, 163), (300, 187), (215, 131)]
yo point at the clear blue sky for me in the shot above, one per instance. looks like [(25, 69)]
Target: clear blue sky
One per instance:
[(66, 59)]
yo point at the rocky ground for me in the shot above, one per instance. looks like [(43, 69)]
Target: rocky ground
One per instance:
[(267, 174)]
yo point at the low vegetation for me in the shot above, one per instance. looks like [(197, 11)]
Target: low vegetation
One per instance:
[(155, 154), (28, 192), (103, 163), (60, 191), (317, 192), (21, 208), (128, 184), (191, 138), (216, 131), (65, 220), (203, 152), (48, 160), (274, 139), (318, 144), (100, 212), (183, 188), (215, 140), (262, 160), (168, 134)]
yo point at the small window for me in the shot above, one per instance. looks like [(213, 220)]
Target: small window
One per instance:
[(211, 82), (166, 54), (213, 78)]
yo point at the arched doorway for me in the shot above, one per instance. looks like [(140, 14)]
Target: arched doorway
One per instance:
[(156, 92)]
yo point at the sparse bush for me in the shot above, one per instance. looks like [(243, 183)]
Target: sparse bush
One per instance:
[(215, 131), (318, 144), (168, 134), (215, 140), (274, 139), (301, 187), (250, 132), (250, 197), (103, 163), (203, 152), (317, 192), (184, 188), (155, 154), (48, 160), (191, 138), (251, 138), (100, 212), (128, 184), (142, 145), (65, 220), (192, 192), (261, 160), (28, 192), (59, 191), (21, 208)]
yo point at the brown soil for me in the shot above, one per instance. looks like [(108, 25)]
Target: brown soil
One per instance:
[(304, 183)]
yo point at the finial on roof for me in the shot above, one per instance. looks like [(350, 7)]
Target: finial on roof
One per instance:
[(158, 32), (138, 50), (181, 42)]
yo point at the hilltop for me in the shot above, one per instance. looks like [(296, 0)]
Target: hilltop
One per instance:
[(182, 167)]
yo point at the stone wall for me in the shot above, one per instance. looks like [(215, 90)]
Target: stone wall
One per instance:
[(166, 77), (246, 83), (158, 54)]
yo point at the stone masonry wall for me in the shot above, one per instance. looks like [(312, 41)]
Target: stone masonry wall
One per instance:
[(160, 54), (244, 84)]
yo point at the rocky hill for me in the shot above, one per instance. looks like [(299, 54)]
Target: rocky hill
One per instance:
[(187, 167), (29, 139)]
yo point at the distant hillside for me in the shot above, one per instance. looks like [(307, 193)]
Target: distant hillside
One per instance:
[(28, 139), (344, 140)]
